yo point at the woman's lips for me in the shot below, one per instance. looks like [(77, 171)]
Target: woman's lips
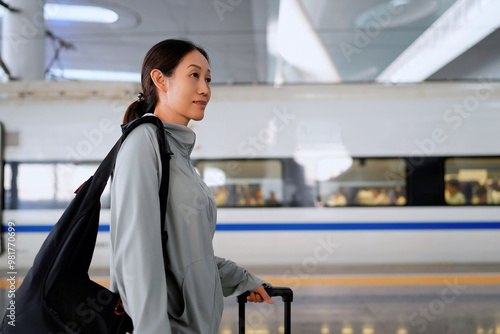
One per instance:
[(201, 103)]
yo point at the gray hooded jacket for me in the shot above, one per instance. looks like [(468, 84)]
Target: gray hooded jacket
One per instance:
[(189, 297)]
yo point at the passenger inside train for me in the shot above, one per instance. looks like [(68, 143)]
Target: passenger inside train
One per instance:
[(453, 195), (472, 181)]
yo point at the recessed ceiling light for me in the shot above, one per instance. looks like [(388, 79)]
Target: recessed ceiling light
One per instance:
[(73, 74), (74, 13), (397, 3)]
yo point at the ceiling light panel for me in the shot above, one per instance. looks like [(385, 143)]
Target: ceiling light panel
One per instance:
[(76, 13)]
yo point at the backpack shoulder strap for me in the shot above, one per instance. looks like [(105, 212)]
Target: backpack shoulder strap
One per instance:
[(107, 166), (165, 154)]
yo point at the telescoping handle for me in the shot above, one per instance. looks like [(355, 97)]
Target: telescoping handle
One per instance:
[(286, 295)]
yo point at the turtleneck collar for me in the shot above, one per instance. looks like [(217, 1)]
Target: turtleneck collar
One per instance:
[(182, 137)]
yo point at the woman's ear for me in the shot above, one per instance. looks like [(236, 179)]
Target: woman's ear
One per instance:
[(159, 80)]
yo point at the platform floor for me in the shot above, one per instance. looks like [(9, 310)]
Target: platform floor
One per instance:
[(373, 300)]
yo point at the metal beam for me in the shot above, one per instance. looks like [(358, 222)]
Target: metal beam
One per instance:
[(6, 5)]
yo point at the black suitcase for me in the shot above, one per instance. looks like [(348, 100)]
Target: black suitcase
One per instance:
[(286, 295)]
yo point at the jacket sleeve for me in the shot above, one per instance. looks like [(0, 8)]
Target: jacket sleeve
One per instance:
[(137, 256), (235, 279)]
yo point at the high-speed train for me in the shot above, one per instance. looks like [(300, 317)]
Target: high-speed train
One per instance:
[(303, 176)]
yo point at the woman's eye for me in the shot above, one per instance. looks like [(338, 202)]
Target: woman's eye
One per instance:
[(208, 79)]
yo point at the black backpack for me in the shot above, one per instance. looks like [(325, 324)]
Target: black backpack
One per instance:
[(57, 295)]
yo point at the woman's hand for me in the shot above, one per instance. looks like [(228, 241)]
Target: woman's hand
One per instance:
[(260, 295)]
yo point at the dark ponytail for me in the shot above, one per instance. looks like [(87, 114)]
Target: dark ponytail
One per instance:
[(164, 56)]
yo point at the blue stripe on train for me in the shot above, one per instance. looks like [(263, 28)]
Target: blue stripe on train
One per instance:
[(358, 226), (316, 226), (45, 228)]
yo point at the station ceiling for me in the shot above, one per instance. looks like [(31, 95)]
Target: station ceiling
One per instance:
[(291, 41)]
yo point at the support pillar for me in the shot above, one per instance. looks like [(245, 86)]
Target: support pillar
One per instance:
[(23, 40)]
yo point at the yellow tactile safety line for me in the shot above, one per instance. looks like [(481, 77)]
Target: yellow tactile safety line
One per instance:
[(357, 280), (391, 280)]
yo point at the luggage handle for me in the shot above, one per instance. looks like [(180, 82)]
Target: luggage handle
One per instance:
[(286, 295)]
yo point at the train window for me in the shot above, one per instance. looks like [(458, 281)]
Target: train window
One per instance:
[(7, 177), (36, 186), (472, 181), (243, 183), (71, 176), (361, 182), (45, 185)]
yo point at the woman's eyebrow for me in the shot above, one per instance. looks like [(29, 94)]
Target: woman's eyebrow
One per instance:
[(197, 66)]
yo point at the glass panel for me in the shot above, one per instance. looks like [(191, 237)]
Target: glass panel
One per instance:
[(46, 185), (70, 177), (472, 181), (36, 186), (7, 179), (243, 183), (364, 182)]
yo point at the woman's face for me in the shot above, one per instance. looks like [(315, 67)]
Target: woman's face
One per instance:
[(188, 89)]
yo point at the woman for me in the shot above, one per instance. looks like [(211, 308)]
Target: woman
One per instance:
[(187, 295)]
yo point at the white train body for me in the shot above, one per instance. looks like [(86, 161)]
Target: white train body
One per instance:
[(79, 122)]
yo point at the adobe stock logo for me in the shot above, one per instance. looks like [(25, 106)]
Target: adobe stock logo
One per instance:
[(88, 310), (437, 306), (363, 37), (222, 6), (94, 138), (258, 143)]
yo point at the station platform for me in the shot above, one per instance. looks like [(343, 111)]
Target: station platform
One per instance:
[(404, 299)]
